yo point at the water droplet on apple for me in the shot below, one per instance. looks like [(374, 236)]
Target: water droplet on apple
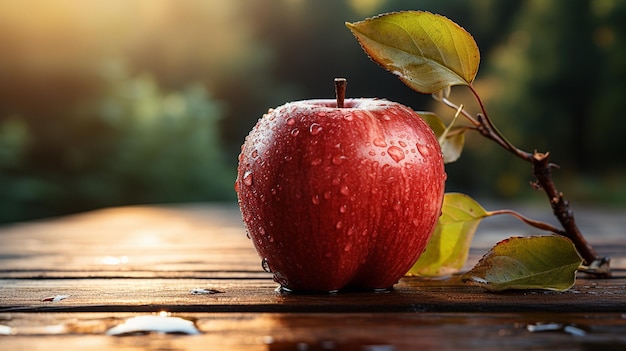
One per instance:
[(339, 225), (295, 132), (342, 208), (315, 129), (247, 178), (348, 117), (265, 265), (423, 150), (379, 142), (315, 199), (327, 195), (348, 247), (321, 113), (416, 222), (372, 153), (291, 121), (316, 162), (396, 153), (344, 190), (402, 143), (336, 181), (337, 160), (255, 153)]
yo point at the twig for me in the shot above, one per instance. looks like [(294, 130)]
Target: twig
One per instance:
[(531, 222), (542, 172)]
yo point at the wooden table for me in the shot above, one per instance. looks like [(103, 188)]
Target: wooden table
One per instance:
[(109, 266)]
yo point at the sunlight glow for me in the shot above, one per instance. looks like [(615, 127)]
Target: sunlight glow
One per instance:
[(366, 7)]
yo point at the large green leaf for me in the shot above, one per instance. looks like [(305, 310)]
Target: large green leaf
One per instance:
[(449, 245), (451, 143), (538, 262), (428, 52)]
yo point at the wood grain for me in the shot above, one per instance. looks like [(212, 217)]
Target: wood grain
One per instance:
[(117, 263)]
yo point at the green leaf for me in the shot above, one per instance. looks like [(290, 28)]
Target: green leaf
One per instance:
[(428, 52), (449, 245), (451, 143), (538, 262)]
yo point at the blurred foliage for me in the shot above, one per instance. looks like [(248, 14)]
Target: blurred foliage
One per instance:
[(556, 83), (134, 144), (112, 102)]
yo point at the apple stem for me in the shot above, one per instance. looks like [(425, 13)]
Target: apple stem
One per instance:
[(340, 91)]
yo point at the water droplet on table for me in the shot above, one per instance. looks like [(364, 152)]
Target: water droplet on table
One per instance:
[(162, 324)]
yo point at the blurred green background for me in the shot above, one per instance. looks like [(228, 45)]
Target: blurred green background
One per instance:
[(115, 102)]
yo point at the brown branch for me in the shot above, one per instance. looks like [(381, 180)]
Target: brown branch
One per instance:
[(542, 172), (530, 222)]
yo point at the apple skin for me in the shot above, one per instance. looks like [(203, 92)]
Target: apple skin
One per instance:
[(337, 198)]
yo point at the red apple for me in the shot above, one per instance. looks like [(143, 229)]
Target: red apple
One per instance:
[(340, 194)]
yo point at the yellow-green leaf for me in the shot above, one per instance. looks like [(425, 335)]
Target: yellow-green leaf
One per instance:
[(451, 143), (449, 245), (521, 263), (428, 52)]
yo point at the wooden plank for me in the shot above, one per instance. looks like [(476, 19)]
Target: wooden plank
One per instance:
[(147, 241), (202, 238), (138, 238), (259, 295), (323, 331)]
